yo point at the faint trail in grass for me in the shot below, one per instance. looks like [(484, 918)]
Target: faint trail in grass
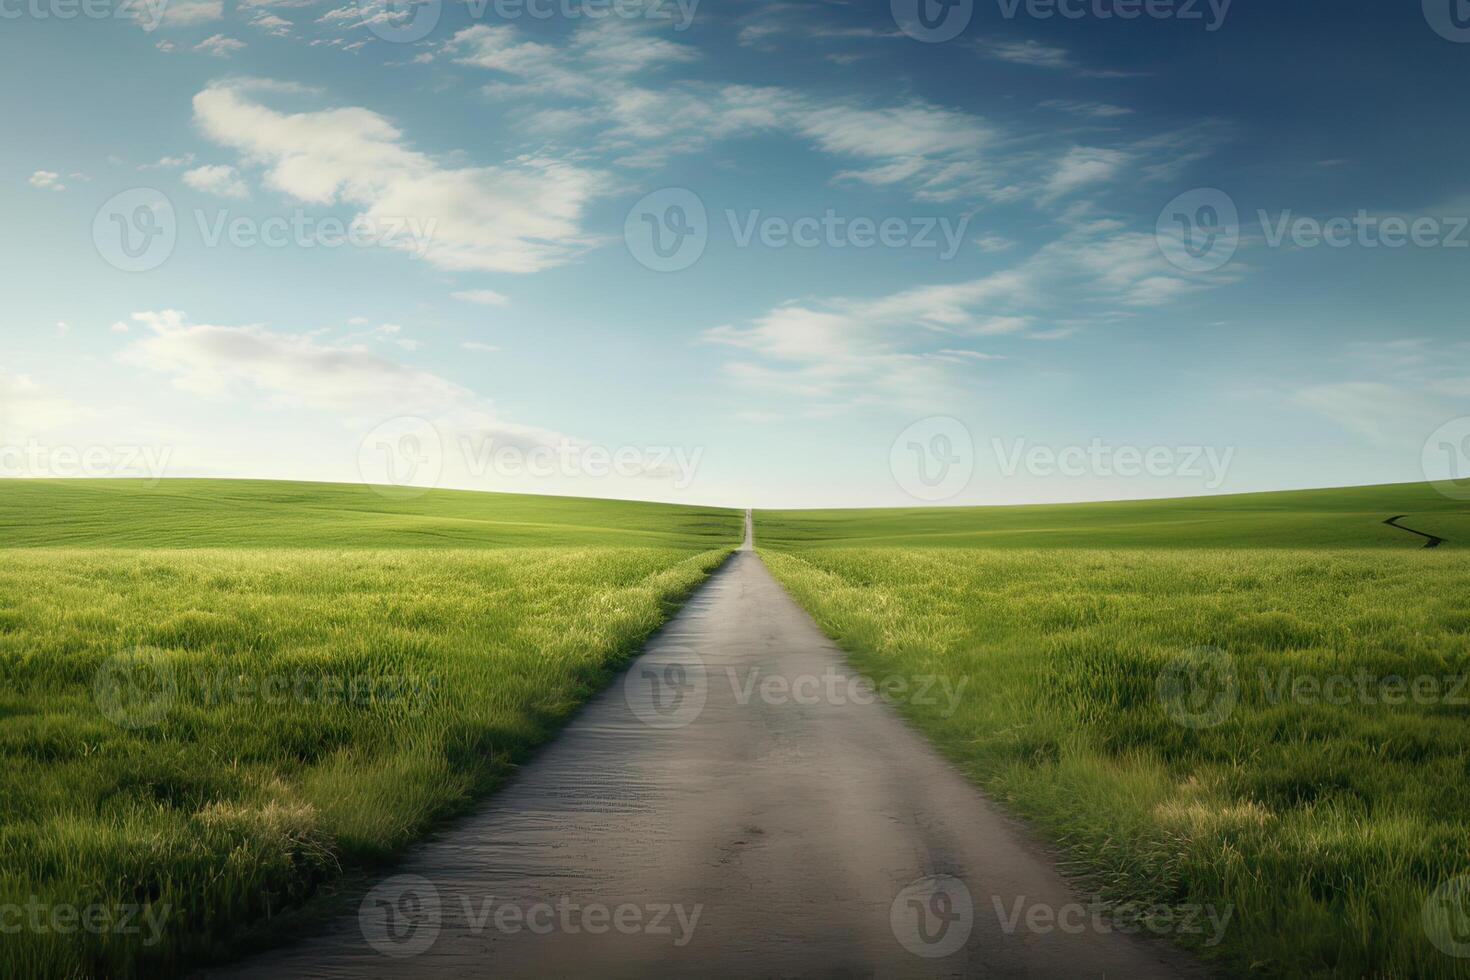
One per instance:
[(1432, 541)]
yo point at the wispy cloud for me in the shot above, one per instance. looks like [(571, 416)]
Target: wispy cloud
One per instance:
[(46, 180), (844, 352), (220, 46), (217, 179), (1034, 54), (484, 297), (522, 215)]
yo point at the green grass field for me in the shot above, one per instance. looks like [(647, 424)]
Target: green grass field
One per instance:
[(223, 702), (219, 700), (1255, 703)]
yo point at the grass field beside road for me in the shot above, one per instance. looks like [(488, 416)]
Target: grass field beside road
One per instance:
[(217, 698), (1239, 710)]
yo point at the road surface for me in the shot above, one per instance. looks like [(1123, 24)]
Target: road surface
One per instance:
[(736, 805)]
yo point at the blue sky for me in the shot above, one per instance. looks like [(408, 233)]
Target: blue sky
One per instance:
[(1028, 327)]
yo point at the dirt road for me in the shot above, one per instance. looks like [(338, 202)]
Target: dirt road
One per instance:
[(737, 805)]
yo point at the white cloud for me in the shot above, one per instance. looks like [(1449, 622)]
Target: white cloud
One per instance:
[(931, 152), (219, 45), (1032, 53), (1084, 165), (271, 24), (1091, 110), (220, 362), (218, 179), (475, 345), (521, 216), (177, 13), (169, 162), (47, 180), (485, 297)]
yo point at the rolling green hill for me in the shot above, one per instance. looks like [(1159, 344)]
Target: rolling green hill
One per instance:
[(278, 514), (1350, 517)]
